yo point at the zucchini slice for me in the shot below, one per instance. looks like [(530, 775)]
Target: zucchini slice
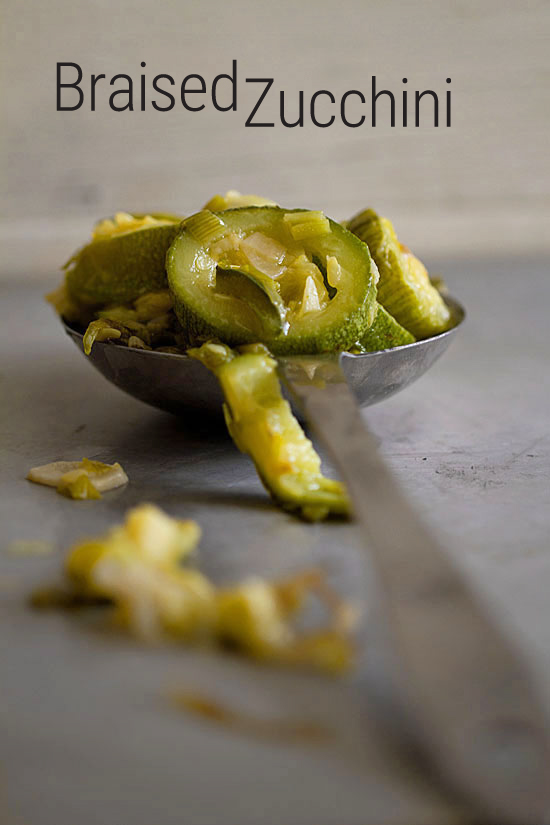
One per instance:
[(124, 260), (300, 283), (385, 333), (404, 288), (262, 425)]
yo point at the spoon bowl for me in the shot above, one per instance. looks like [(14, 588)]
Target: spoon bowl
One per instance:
[(179, 384)]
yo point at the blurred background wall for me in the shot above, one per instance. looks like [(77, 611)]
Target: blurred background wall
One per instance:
[(480, 187)]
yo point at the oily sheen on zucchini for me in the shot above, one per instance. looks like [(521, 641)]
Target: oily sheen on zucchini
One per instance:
[(293, 279)]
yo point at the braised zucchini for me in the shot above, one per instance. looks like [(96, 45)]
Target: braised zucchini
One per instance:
[(292, 279), (262, 425), (404, 288), (136, 568), (124, 260), (385, 333)]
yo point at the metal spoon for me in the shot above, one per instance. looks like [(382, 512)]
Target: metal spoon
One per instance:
[(181, 385), (463, 691)]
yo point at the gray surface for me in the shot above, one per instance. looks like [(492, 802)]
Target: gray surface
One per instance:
[(463, 693), (87, 734)]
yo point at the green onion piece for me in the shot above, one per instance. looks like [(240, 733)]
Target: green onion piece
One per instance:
[(204, 226), (77, 484), (100, 330), (306, 224), (97, 467)]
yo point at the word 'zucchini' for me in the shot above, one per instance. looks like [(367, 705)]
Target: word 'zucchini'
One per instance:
[(261, 424), (293, 279)]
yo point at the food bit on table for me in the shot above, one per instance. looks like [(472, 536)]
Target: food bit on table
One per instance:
[(64, 596), (137, 568), (273, 729), (84, 479)]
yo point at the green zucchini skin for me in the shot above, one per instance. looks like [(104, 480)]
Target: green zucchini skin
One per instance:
[(338, 327), (385, 333), (118, 270), (404, 288)]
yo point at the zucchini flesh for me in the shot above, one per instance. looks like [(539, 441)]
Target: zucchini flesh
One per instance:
[(272, 251), (404, 288), (262, 425), (257, 292)]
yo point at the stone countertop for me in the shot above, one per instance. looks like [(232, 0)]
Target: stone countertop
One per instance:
[(88, 732)]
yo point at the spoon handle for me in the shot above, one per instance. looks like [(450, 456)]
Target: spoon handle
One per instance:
[(465, 693)]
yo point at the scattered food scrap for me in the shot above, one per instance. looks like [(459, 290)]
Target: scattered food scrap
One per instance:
[(84, 479), (137, 569), (275, 729)]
